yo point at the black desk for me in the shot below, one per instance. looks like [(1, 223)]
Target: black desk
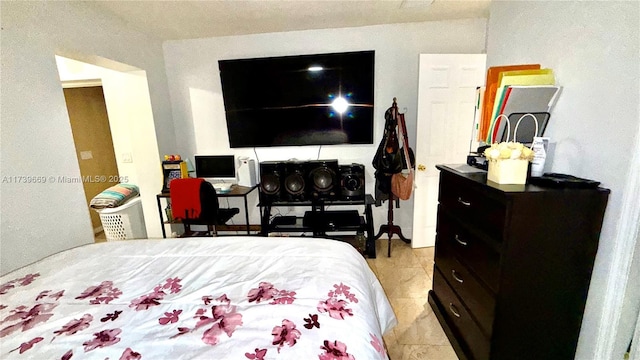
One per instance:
[(236, 191), (299, 226)]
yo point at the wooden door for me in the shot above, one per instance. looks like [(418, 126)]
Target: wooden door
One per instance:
[(446, 97), (92, 138)]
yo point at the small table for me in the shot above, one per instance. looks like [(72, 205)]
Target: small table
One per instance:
[(367, 202), (236, 191)]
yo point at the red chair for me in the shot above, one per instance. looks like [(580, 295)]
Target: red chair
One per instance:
[(195, 202)]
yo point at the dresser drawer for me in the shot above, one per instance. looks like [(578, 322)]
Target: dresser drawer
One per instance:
[(476, 297), (472, 251), (458, 317), (464, 200)]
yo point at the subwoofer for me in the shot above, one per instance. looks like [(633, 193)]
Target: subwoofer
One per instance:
[(352, 182), (271, 181), (294, 184), (324, 182)]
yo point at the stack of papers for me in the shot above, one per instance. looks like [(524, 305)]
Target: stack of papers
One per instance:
[(491, 88), (520, 91)]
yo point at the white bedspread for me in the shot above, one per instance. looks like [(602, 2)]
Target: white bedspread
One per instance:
[(198, 298)]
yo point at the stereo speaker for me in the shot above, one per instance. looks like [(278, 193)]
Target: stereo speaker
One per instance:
[(295, 188), (324, 182), (352, 182), (315, 180), (271, 180)]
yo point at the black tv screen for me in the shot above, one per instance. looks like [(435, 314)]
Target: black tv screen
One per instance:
[(215, 166), (322, 99)]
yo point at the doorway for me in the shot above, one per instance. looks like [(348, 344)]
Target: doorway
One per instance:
[(94, 145), (130, 120)]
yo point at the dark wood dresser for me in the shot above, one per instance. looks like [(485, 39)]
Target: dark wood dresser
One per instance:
[(513, 265)]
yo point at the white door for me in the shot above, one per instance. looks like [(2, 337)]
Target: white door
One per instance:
[(446, 97)]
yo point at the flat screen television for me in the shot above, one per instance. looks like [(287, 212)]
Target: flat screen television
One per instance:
[(322, 99)]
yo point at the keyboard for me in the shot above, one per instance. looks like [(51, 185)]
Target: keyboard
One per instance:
[(222, 187)]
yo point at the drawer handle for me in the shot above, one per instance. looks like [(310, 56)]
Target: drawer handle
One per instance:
[(456, 276), (460, 241), (453, 309), (465, 203)]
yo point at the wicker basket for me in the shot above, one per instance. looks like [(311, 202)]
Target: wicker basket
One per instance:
[(124, 222)]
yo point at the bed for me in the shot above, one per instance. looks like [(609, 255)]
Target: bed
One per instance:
[(197, 298)]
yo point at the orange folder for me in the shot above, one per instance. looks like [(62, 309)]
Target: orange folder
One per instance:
[(493, 76)]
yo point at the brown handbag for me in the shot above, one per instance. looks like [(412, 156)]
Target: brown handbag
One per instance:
[(401, 185)]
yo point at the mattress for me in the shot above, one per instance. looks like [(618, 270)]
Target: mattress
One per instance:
[(196, 298)]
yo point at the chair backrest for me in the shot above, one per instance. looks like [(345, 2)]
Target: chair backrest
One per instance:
[(209, 204), (194, 199)]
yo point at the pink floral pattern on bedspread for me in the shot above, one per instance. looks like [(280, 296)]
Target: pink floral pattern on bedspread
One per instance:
[(186, 314), (336, 304), (266, 291), (335, 351), (224, 319), (101, 293), (24, 318), (218, 317), (74, 326), (23, 281), (171, 286)]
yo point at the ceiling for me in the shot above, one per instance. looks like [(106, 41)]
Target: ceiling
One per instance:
[(175, 20)]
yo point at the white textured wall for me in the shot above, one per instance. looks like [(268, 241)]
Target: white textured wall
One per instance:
[(41, 219), (593, 47), (127, 99), (198, 108)]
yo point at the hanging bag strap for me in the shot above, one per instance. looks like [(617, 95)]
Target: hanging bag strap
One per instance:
[(402, 186), (402, 127)]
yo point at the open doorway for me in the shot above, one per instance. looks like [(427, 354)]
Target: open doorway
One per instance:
[(130, 122), (94, 146)]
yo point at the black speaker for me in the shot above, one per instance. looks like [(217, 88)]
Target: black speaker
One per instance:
[(294, 184), (324, 180), (271, 181), (352, 182)]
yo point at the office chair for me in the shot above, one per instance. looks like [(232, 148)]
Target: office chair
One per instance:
[(195, 202)]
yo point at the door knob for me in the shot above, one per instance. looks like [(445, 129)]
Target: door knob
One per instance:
[(421, 167)]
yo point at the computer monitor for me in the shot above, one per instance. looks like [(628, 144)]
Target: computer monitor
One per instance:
[(216, 167)]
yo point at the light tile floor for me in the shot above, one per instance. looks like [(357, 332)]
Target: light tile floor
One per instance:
[(406, 278)]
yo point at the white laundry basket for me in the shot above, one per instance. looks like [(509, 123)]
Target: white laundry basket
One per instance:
[(124, 222)]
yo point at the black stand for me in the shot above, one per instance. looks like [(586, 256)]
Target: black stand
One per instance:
[(300, 226), (390, 228)]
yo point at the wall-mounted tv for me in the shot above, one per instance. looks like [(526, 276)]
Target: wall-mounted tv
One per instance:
[(322, 99)]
